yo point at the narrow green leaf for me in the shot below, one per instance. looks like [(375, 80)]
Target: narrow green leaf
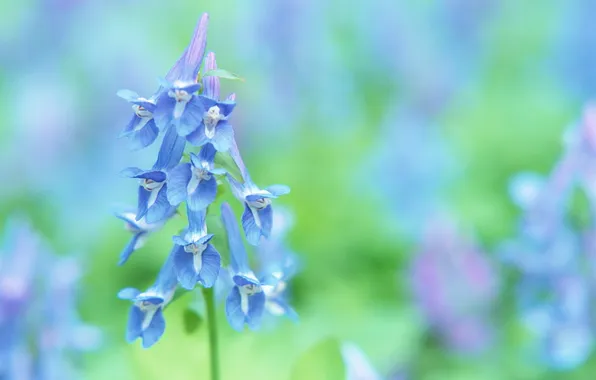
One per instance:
[(322, 361), (224, 74)]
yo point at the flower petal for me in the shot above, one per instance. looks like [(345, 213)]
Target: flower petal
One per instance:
[(178, 179), (238, 257), (204, 195), (266, 218), (185, 270), (143, 137), (127, 95), (210, 267), (211, 83), (278, 190), (128, 293), (234, 310), (171, 150), (161, 208), (224, 136), (256, 306), (198, 138), (163, 113), (251, 230), (155, 329), (192, 117), (134, 328), (143, 203), (130, 248)]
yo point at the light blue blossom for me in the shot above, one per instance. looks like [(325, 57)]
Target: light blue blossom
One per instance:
[(153, 202), (195, 259), (145, 319), (177, 102), (194, 182), (140, 229), (246, 301), (141, 130)]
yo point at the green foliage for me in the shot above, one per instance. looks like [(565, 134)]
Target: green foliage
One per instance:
[(323, 361)]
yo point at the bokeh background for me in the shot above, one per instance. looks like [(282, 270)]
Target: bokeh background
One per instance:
[(397, 124)]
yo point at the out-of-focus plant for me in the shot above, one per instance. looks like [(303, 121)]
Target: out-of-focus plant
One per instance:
[(553, 250), (186, 108), (42, 335)]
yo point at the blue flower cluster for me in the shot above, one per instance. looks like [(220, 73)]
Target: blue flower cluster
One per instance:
[(554, 248), (187, 110), (40, 329)]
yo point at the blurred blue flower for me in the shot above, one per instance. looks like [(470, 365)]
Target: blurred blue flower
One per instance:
[(357, 364), (195, 259), (455, 286), (213, 126), (145, 319), (39, 323), (194, 182), (140, 229), (555, 292), (246, 301)]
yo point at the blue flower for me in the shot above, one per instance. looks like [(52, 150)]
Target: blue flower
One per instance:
[(195, 260), (257, 218), (214, 127), (177, 102), (141, 130), (140, 229), (195, 181), (153, 201), (246, 301), (145, 319)]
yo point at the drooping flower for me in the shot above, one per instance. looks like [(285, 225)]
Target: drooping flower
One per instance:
[(195, 259), (141, 130), (153, 202), (178, 103), (145, 319), (214, 127), (194, 182), (278, 266), (246, 301), (139, 229)]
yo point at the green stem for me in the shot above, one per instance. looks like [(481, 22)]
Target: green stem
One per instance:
[(209, 296)]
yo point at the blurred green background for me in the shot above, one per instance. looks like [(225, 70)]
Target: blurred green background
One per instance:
[(492, 84)]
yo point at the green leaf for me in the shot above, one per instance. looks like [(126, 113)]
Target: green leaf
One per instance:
[(224, 74), (322, 361), (224, 160), (192, 320)]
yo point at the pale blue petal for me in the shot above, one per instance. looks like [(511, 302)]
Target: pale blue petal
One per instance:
[(144, 137), (160, 209), (155, 329), (251, 230), (185, 270), (207, 153), (211, 83), (130, 172), (198, 138), (164, 110), (128, 293), (171, 150), (234, 310), (238, 257), (224, 136), (196, 50), (196, 220), (130, 248), (256, 306), (142, 203), (178, 179), (266, 217), (210, 266), (192, 117), (278, 190), (128, 95), (135, 324), (204, 195)]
